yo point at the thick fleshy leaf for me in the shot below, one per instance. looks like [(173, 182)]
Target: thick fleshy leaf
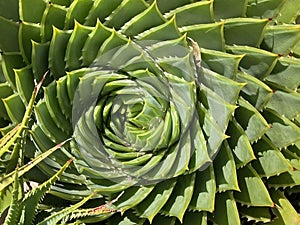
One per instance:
[(195, 13), (77, 11), (56, 56), (253, 191), (54, 15), (255, 62), (163, 32), (270, 161), (74, 47), (100, 10), (225, 170), (244, 31), (280, 39), (24, 83), (204, 191), (9, 42), (39, 59), (5, 92), (283, 132), (284, 210), (143, 21), (288, 12), (240, 145), (226, 212), (255, 91), (264, 9), (253, 123), (124, 12), (14, 108), (229, 9), (181, 196), (285, 73), (287, 104), (221, 63), (156, 200), (10, 9), (260, 214), (208, 36)]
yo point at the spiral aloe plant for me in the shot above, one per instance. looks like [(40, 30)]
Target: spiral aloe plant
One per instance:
[(189, 108)]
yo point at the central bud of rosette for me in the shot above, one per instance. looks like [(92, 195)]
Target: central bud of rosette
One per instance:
[(137, 124)]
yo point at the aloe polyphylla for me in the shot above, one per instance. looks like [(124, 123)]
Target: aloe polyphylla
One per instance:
[(189, 108)]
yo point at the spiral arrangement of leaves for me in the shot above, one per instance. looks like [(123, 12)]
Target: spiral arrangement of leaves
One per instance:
[(191, 108)]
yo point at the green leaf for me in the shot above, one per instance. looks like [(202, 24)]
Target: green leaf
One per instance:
[(77, 12), (93, 43), (284, 210), (203, 198), (195, 218), (221, 62), (194, 13), (57, 216), (288, 179), (5, 92), (54, 15), (74, 47), (255, 91), (28, 32), (288, 12), (286, 104), (180, 197), (166, 31), (165, 5), (239, 143), (47, 123), (9, 41), (225, 170), (256, 62), (133, 196), (283, 132), (264, 9), (25, 83), (226, 88), (226, 212), (54, 109), (281, 39), (39, 59), (253, 191), (211, 130), (124, 12), (14, 209), (154, 202), (26, 7), (32, 199), (63, 97), (57, 62), (261, 214), (10, 9), (100, 10), (270, 160), (109, 47), (229, 9), (147, 19), (244, 31), (14, 107), (253, 123), (285, 73), (10, 62), (220, 110), (9, 178), (208, 36)]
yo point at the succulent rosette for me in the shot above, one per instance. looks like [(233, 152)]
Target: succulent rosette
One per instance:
[(189, 109)]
